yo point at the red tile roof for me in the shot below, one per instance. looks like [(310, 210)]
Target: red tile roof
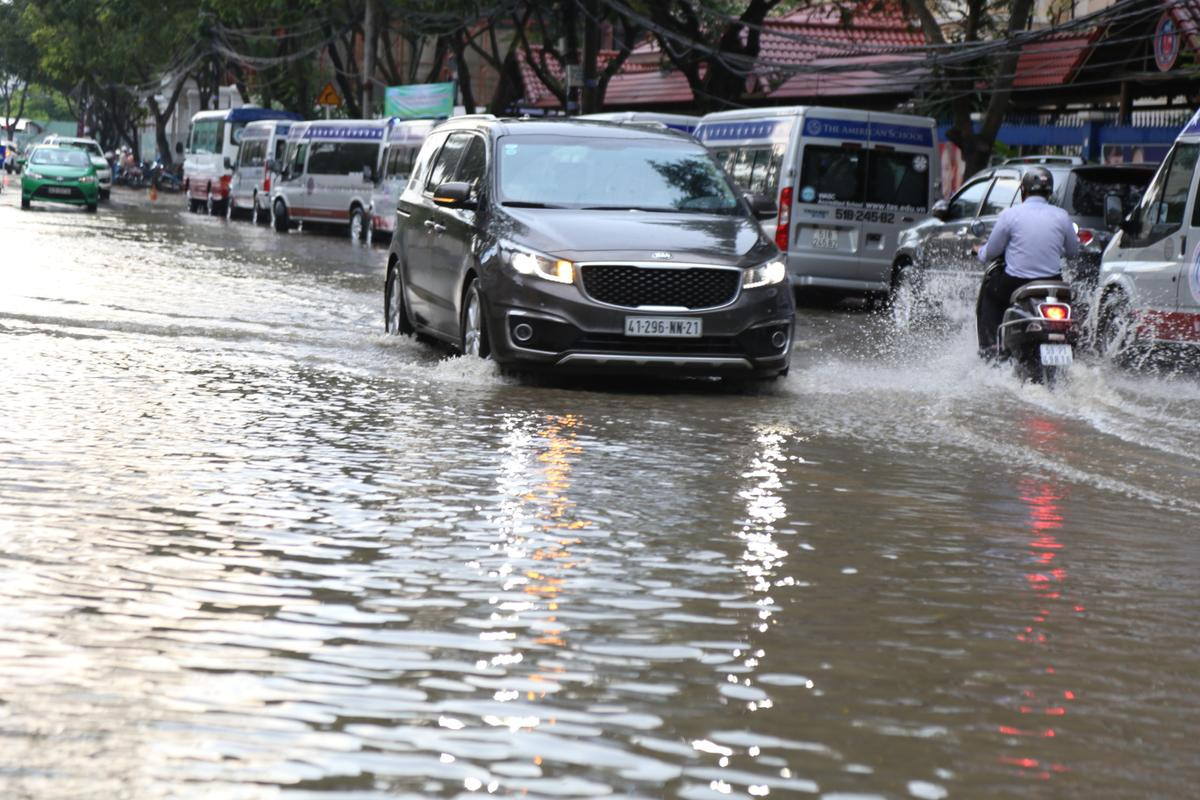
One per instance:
[(1187, 14), (1052, 61), (816, 37)]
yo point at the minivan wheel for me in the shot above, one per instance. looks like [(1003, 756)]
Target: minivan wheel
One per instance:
[(395, 316), (1115, 332), (279, 216), (473, 324), (358, 224)]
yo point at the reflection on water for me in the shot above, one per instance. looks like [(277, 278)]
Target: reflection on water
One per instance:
[(251, 547)]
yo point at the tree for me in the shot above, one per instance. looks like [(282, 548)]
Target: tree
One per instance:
[(955, 83), (18, 63)]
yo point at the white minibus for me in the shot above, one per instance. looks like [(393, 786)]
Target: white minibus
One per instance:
[(263, 144), (212, 150), (402, 142), (328, 174), (1150, 272), (846, 183)]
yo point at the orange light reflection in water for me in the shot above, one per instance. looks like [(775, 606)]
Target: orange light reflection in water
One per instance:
[(1048, 583)]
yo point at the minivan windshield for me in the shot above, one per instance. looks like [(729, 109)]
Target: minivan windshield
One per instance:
[(617, 173)]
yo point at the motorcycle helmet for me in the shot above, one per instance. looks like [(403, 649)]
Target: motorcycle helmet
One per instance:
[(1037, 180)]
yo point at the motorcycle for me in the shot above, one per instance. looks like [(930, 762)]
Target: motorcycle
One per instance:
[(1037, 332), (164, 179)]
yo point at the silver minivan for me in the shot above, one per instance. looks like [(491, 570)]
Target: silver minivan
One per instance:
[(262, 145), (1150, 273), (846, 183), (328, 174), (402, 143)]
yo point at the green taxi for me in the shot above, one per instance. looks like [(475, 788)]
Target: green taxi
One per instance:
[(59, 175)]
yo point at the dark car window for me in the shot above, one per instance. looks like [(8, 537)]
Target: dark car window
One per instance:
[(1161, 211), (968, 199), (253, 153), (1001, 196), (651, 173), (447, 160), (473, 163), (341, 158), (1089, 188), (898, 180), (400, 161), (831, 175), (753, 169)]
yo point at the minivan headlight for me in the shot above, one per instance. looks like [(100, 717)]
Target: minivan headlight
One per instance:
[(764, 274), (87, 179), (531, 262), (33, 176)]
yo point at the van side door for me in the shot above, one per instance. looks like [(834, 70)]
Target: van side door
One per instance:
[(897, 196), (415, 223), (1188, 286), (453, 233), (1151, 254)]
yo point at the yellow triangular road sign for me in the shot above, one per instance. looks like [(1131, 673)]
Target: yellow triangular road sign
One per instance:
[(329, 96)]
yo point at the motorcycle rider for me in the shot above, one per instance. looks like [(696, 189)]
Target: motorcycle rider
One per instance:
[(1032, 238)]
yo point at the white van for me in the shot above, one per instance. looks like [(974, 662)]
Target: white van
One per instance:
[(263, 145), (846, 183), (402, 142), (328, 174), (212, 150), (1150, 273)]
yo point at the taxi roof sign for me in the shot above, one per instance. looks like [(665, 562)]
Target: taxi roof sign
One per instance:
[(329, 96)]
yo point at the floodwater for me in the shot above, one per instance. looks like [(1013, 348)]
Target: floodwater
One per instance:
[(252, 547)]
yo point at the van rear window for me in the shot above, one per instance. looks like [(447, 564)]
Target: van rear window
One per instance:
[(870, 178), (207, 136), (753, 169), (341, 158)]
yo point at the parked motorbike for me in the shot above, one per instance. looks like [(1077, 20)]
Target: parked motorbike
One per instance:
[(1037, 333), (164, 179)]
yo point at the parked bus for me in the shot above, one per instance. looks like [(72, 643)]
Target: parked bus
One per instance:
[(846, 183), (262, 146), (402, 142), (212, 150), (328, 174)]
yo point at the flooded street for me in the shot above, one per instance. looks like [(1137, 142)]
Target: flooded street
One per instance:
[(253, 547)]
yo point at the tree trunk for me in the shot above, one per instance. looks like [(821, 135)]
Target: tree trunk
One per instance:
[(368, 72)]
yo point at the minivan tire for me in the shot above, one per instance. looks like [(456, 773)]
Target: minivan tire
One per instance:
[(358, 224), (473, 333), (1114, 332), (279, 216), (395, 315)]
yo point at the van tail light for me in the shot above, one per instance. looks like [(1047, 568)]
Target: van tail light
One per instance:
[(1086, 237), (225, 181), (266, 184), (1054, 311), (785, 218)]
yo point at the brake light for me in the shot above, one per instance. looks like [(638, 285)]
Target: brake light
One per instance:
[(1054, 311), (266, 183), (785, 218), (1086, 237)]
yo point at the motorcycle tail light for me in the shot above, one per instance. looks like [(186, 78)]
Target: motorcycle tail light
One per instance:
[(1054, 311), (1086, 237)]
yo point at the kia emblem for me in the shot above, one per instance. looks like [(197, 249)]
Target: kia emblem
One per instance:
[(661, 255)]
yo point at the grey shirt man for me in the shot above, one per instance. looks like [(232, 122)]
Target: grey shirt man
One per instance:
[(1033, 238)]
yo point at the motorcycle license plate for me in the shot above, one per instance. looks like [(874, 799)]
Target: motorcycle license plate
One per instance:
[(1057, 355), (670, 327)]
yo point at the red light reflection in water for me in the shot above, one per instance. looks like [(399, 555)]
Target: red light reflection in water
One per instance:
[(1048, 583)]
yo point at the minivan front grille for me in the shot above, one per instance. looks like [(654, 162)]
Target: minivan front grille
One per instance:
[(680, 287)]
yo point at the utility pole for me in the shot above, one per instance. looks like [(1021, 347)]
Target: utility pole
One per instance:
[(368, 70)]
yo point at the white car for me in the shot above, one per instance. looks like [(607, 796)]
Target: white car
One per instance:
[(1150, 272), (104, 174)]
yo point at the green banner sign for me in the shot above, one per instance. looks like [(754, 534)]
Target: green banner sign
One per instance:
[(419, 101)]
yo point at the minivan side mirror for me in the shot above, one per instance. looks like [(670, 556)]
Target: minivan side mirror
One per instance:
[(1114, 213), (941, 209), (228, 163), (455, 194), (179, 148), (976, 228), (269, 165), (762, 205), (368, 174)]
